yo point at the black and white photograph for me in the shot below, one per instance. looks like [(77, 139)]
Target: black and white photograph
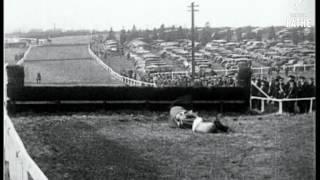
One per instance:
[(159, 90)]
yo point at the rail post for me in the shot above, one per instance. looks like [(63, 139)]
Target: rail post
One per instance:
[(280, 107), (262, 105), (311, 103)]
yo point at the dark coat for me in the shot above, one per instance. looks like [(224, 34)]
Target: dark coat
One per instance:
[(303, 90), (291, 92), (311, 90)]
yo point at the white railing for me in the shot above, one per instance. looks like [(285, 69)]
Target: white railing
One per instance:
[(260, 70), (225, 71), (18, 164), (25, 55), (294, 67), (256, 70), (256, 86), (125, 80), (172, 73), (280, 101)]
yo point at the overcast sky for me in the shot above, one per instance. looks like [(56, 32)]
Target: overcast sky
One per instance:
[(103, 14)]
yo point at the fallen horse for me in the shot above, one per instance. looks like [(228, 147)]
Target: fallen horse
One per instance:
[(187, 119)]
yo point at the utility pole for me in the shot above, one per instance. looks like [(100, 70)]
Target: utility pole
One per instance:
[(192, 38)]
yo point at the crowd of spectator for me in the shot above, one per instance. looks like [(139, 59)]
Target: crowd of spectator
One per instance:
[(294, 87), (185, 80)]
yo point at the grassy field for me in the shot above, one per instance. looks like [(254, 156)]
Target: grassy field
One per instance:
[(58, 52), (9, 54), (71, 39), (118, 63), (140, 145), (71, 64), (68, 72)]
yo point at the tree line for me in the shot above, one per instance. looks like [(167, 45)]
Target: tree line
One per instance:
[(172, 33), (208, 33)]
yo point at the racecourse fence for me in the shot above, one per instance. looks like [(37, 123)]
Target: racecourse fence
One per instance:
[(46, 60), (267, 98), (255, 70), (280, 101), (124, 93), (85, 98), (18, 165), (292, 68), (123, 79), (67, 44), (25, 55)]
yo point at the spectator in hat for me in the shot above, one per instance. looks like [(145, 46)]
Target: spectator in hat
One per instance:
[(256, 81), (281, 89), (271, 85), (302, 93), (291, 92), (290, 78), (311, 88), (274, 89), (265, 80), (311, 92), (264, 88), (220, 82)]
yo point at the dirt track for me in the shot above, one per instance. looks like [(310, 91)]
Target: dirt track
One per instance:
[(133, 146)]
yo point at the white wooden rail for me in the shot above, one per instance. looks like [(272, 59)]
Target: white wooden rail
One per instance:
[(18, 164), (264, 93), (25, 55), (125, 80), (280, 101), (256, 70), (294, 67)]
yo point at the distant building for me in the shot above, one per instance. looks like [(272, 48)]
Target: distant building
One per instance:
[(137, 44), (16, 44)]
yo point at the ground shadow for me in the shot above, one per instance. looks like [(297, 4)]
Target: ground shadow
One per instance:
[(78, 152)]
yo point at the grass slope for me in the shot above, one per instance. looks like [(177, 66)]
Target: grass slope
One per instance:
[(140, 145), (68, 72), (9, 54)]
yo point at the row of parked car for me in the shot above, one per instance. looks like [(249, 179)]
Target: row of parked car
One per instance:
[(144, 60), (154, 56), (262, 53)]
